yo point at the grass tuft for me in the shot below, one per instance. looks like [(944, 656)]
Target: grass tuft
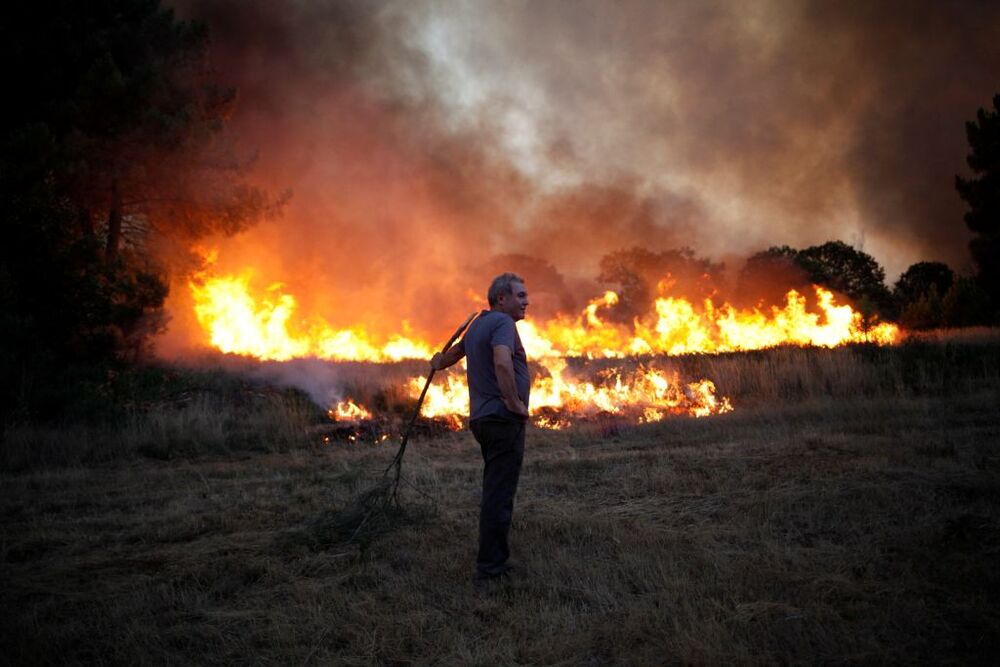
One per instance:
[(369, 515)]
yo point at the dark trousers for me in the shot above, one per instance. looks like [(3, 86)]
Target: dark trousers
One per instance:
[(502, 444)]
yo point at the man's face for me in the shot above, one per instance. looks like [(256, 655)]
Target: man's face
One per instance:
[(515, 303)]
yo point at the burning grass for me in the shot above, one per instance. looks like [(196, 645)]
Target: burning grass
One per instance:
[(169, 412), (237, 318), (848, 510)]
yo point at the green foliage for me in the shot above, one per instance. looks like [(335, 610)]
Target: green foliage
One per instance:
[(766, 260), (982, 194)]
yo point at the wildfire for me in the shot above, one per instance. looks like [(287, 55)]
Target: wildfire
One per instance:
[(348, 410), (678, 326), (644, 395), (263, 325), (447, 398), (238, 323)]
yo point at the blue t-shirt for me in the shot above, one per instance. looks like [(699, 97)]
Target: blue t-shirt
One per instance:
[(485, 399)]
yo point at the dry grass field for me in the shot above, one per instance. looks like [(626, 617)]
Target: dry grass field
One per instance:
[(848, 510)]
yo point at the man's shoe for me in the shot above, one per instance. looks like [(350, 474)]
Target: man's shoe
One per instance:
[(512, 567), (485, 583)]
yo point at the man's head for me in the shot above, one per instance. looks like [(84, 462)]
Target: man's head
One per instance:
[(507, 294)]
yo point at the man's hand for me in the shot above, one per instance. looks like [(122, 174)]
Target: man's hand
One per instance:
[(440, 361), (503, 363), (517, 407)]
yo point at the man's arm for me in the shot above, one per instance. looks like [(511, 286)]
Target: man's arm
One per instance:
[(450, 358), (503, 362)]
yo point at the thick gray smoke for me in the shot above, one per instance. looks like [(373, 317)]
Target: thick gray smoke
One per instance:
[(421, 138), (738, 125)]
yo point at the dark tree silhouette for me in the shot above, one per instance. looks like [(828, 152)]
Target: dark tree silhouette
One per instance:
[(121, 92), (918, 280), (113, 147), (639, 275), (918, 294), (966, 304), (834, 265), (841, 267), (982, 194), (925, 312), (767, 276)]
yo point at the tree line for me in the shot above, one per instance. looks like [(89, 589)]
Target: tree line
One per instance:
[(927, 295)]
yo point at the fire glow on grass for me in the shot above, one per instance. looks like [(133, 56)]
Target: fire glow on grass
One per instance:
[(238, 321), (643, 394), (348, 410)]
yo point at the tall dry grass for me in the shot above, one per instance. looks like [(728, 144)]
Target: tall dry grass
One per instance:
[(198, 424), (215, 412)]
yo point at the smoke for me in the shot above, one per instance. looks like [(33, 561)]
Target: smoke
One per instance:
[(322, 381), (776, 123), (424, 139)]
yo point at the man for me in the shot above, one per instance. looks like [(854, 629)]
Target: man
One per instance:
[(499, 383)]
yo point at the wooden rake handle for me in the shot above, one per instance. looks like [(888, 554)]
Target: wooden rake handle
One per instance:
[(420, 401)]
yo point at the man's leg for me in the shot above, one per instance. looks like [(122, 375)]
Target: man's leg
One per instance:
[(502, 444)]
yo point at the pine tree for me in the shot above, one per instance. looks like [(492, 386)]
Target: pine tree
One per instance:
[(982, 194), (115, 144)]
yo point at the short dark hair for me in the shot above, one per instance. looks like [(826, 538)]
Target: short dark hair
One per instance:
[(502, 285)]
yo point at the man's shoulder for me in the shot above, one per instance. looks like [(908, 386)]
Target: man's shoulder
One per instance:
[(491, 319), (490, 327)]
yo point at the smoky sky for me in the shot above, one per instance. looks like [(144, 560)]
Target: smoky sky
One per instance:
[(422, 138), (775, 122)]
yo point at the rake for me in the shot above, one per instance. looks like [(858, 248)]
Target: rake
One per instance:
[(397, 461), (373, 509)]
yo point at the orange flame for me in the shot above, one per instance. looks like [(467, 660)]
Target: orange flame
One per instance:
[(264, 326), (649, 393), (238, 323), (348, 410), (678, 326)]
